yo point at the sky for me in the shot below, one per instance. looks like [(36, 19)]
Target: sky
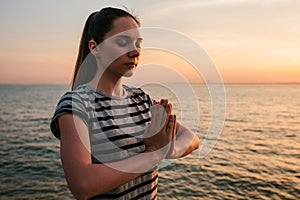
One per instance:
[(248, 41)]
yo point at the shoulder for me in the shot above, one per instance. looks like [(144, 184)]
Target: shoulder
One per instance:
[(72, 102), (138, 94), (131, 90), (80, 95)]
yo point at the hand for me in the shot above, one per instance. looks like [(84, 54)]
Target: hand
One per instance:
[(162, 129)]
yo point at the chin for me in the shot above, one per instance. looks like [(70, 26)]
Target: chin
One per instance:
[(129, 73)]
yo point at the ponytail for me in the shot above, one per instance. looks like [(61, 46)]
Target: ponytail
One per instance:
[(83, 52)]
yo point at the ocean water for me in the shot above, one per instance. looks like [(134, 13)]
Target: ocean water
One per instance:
[(257, 155)]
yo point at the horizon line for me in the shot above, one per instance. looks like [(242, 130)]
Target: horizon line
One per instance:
[(200, 83)]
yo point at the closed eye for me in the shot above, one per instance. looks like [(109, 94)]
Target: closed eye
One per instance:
[(121, 42), (124, 40)]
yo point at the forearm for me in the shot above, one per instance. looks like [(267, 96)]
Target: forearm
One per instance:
[(95, 179), (184, 143)]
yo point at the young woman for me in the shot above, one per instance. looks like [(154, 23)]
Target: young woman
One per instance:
[(113, 136)]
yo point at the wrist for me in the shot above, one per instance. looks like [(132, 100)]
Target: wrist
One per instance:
[(158, 153)]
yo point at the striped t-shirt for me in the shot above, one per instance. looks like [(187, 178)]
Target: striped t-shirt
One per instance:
[(116, 126)]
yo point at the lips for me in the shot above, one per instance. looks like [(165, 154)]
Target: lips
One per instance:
[(131, 64)]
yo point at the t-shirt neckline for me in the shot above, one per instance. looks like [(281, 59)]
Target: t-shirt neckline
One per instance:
[(123, 96)]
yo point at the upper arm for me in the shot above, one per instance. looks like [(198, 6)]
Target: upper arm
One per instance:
[(74, 138), (75, 149)]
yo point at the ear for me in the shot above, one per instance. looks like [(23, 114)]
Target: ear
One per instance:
[(93, 47)]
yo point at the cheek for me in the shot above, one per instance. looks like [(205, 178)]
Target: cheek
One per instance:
[(111, 53)]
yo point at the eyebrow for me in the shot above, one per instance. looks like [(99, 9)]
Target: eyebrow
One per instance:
[(126, 37)]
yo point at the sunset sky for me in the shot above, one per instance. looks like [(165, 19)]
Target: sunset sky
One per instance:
[(250, 41)]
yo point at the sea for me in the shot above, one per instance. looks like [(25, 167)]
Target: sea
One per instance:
[(255, 152)]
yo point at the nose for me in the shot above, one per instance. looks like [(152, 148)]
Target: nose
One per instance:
[(134, 53)]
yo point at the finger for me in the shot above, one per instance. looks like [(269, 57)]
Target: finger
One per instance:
[(174, 128), (158, 118), (170, 125), (156, 114), (164, 102), (169, 109), (164, 117), (161, 101)]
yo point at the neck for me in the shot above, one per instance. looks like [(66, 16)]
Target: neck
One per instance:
[(108, 85)]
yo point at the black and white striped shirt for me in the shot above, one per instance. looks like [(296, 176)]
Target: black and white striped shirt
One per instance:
[(116, 126)]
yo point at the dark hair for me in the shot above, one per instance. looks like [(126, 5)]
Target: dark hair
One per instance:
[(96, 26)]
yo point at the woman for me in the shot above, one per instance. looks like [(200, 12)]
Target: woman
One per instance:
[(113, 136)]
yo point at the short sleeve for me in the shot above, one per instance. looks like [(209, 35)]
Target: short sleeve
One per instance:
[(70, 103)]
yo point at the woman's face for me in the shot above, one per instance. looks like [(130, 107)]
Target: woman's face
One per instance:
[(120, 51)]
